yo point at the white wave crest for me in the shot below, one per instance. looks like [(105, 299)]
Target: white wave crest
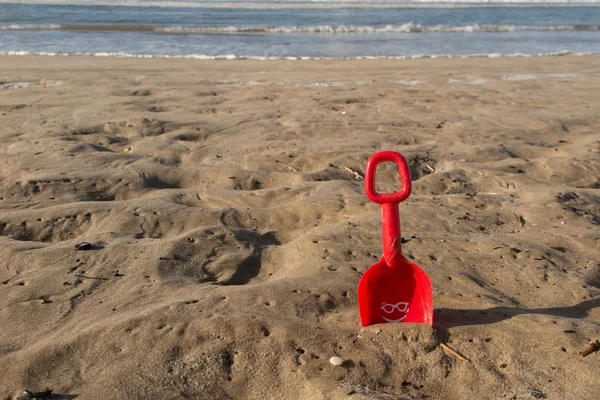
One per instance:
[(297, 58), (409, 27), (28, 27)]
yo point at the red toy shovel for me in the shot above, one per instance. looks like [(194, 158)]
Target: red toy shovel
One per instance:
[(394, 289)]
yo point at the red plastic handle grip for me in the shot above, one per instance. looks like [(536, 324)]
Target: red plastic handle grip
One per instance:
[(382, 198)]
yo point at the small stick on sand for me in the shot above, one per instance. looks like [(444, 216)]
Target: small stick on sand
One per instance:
[(359, 175), (287, 166), (590, 348), (91, 277), (449, 350)]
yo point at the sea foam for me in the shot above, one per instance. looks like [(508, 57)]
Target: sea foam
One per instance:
[(267, 58), (408, 27)]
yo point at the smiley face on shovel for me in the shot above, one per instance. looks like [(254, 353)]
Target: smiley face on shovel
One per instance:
[(395, 311)]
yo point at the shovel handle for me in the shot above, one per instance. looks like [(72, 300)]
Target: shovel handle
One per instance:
[(383, 198), (390, 214)]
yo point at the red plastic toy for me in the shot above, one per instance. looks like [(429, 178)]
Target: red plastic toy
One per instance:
[(394, 289)]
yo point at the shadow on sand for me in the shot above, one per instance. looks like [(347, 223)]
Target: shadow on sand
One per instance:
[(445, 318)]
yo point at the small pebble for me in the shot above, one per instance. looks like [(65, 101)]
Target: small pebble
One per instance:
[(26, 395), (337, 361), (84, 246), (126, 149), (29, 395)]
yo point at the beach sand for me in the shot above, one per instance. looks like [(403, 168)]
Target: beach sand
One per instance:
[(229, 228)]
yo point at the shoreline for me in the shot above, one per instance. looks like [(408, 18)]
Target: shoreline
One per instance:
[(290, 58), (431, 62)]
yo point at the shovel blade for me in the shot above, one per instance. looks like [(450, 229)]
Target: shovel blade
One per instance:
[(401, 293)]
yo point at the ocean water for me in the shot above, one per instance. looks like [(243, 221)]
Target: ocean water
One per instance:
[(298, 29)]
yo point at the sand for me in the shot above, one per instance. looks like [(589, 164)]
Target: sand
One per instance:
[(229, 228)]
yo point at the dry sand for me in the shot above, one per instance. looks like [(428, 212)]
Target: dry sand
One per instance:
[(229, 234)]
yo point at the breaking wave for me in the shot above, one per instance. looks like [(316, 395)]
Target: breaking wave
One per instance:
[(318, 29), (404, 28), (267, 58)]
